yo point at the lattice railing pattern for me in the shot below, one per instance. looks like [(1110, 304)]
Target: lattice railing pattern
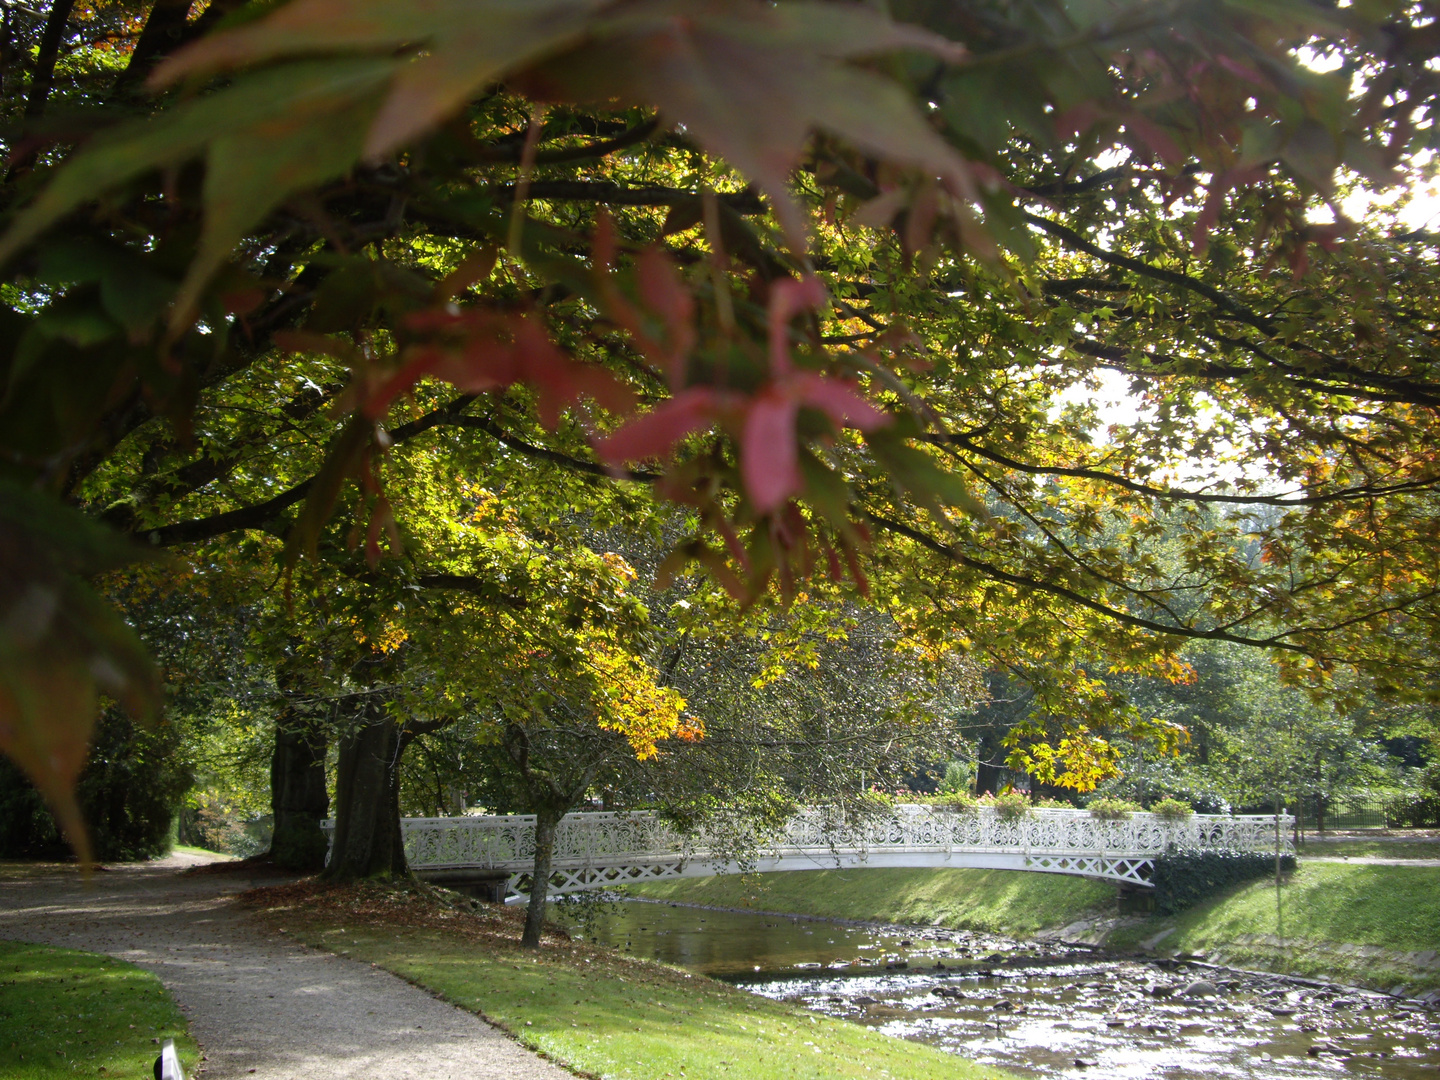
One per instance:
[(593, 850)]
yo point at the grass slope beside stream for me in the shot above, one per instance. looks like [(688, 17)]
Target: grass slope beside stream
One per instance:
[(66, 1013), (1376, 926), (994, 901), (591, 1009)]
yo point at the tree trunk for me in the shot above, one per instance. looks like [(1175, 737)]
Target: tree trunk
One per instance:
[(163, 33), (988, 777), (546, 820), (367, 802), (297, 794), (42, 75)]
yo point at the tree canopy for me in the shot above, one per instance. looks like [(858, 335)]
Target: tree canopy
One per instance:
[(833, 281)]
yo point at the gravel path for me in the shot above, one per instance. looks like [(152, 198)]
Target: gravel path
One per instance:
[(261, 1007)]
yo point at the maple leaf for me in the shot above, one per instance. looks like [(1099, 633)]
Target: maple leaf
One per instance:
[(765, 422), (752, 81), (61, 646), (265, 137), (464, 45), (479, 351)]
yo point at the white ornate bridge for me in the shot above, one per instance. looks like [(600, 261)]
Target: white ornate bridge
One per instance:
[(598, 850)]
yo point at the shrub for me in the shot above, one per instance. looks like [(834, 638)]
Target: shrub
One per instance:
[(128, 791), (958, 802), (1418, 808), (1008, 805), (1046, 803), (958, 777), (1112, 809), (1172, 808), (1184, 879)]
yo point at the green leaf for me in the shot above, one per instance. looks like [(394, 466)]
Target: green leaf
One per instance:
[(751, 82), (130, 291), (468, 44), (274, 115), (61, 645), (927, 483)]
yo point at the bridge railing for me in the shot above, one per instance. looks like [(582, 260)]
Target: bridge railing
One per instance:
[(507, 842)]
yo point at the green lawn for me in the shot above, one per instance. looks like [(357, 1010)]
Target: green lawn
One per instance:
[(594, 1010), (1396, 907), (998, 901), (65, 1013), (1386, 849), (187, 849), (599, 1013), (1330, 912)]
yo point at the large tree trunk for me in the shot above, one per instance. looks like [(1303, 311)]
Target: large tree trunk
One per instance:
[(42, 74), (546, 820), (297, 794), (367, 802), (988, 777)]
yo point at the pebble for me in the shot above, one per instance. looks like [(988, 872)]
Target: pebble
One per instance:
[(1200, 988)]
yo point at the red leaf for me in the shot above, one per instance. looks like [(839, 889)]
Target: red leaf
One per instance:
[(769, 459), (653, 434), (838, 400), (484, 350), (787, 299), (1156, 138), (665, 294), (1242, 71)]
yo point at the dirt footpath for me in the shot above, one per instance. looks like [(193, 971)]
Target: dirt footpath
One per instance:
[(260, 1006)]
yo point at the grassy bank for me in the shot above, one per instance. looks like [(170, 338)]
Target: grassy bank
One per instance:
[(1358, 848), (594, 1010), (187, 849), (65, 1013), (997, 901), (1370, 925)]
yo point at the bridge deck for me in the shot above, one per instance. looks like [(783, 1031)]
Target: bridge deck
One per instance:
[(596, 850)]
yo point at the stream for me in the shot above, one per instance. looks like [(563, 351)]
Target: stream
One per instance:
[(1041, 1009)]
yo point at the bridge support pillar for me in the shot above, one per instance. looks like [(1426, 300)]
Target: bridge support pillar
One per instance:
[(1133, 900), (486, 885)]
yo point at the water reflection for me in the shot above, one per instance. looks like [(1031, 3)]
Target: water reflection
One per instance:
[(1042, 1009)]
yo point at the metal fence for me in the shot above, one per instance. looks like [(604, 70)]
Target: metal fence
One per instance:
[(1343, 817)]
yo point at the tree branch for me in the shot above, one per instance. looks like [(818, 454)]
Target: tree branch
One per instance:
[(742, 202), (1225, 303), (1360, 491), (1031, 584), (489, 427), (258, 515)]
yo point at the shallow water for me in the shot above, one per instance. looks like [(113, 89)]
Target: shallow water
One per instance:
[(1045, 1010)]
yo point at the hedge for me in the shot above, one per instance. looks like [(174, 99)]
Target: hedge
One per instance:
[(1184, 879)]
